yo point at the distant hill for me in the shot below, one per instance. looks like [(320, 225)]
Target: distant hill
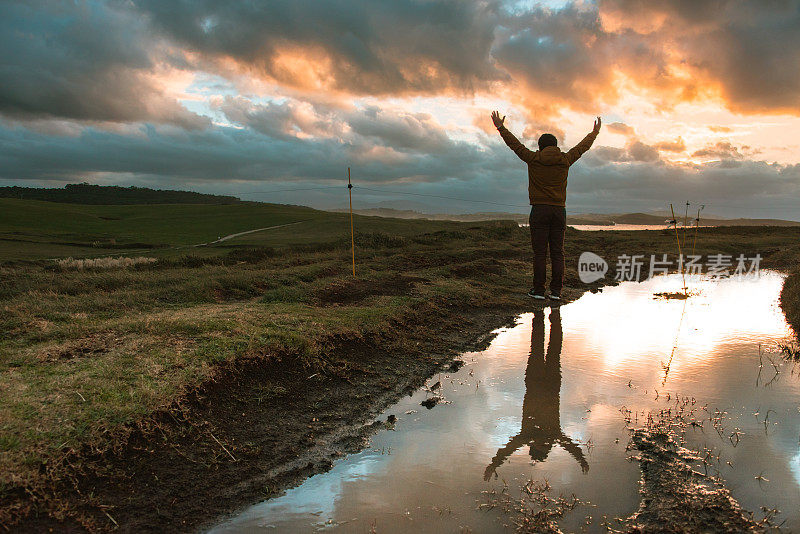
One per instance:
[(460, 217), (112, 195), (651, 219), (594, 219)]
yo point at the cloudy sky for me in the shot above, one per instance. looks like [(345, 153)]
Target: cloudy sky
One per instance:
[(700, 99)]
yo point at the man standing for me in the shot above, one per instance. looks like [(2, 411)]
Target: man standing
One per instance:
[(547, 190)]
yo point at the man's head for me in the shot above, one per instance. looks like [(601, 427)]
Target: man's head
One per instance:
[(547, 140), (539, 449)]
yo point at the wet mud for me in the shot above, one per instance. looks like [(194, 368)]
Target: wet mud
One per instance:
[(678, 498), (255, 431)]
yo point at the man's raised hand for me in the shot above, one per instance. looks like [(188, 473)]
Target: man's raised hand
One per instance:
[(597, 125), (498, 122), (489, 472)]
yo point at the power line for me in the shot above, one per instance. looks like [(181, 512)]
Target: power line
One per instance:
[(386, 191), (288, 190)]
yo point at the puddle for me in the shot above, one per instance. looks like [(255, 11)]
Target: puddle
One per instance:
[(546, 401)]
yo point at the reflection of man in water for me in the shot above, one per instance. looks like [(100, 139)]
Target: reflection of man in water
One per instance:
[(541, 421)]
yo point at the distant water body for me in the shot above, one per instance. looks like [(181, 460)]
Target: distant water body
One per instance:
[(619, 226), (596, 227)]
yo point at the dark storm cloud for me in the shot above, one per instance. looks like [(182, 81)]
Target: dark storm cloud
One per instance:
[(84, 61), (228, 154), (746, 52), (280, 120), (95, 61), (370, 126), (408, 132), (374, 46), (568, 59), (749, 48), (747, 189), (547, 51)]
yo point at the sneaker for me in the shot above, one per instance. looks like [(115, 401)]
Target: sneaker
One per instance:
[(536, 296), (555, 296)]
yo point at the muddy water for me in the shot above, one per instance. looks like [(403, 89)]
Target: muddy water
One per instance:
[(547, 400)]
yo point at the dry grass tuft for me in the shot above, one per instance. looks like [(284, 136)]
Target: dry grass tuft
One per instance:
[(107, 262), (536, 511)]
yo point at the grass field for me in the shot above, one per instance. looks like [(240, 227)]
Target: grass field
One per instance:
[(34, 229), (88, 354)]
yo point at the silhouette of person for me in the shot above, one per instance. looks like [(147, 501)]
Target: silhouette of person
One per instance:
[(541, 420), (548, 169)]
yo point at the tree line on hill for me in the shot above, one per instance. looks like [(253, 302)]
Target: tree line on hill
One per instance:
[(85, 193)]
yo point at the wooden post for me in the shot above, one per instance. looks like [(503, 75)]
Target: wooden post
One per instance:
[(680, 254), (696, 227), (352, 234), (685, 222)]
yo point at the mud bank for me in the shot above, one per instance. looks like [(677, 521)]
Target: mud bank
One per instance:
[(676, 497), (253, 432), (790, 300)]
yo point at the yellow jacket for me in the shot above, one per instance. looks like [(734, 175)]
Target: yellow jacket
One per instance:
[(547, 168)]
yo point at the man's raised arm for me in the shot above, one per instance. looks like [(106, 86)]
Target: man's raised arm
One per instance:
[(578, 150), (524, 153), (575, 450)]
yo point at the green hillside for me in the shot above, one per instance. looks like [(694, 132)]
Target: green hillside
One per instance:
[(31, 229)]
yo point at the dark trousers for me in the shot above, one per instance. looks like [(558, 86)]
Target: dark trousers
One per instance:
[(548, 224)]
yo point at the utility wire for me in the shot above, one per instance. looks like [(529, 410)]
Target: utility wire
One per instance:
[(385, 191), (287, 190)]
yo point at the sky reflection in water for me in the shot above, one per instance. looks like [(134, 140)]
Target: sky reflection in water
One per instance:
[(544, 401)]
